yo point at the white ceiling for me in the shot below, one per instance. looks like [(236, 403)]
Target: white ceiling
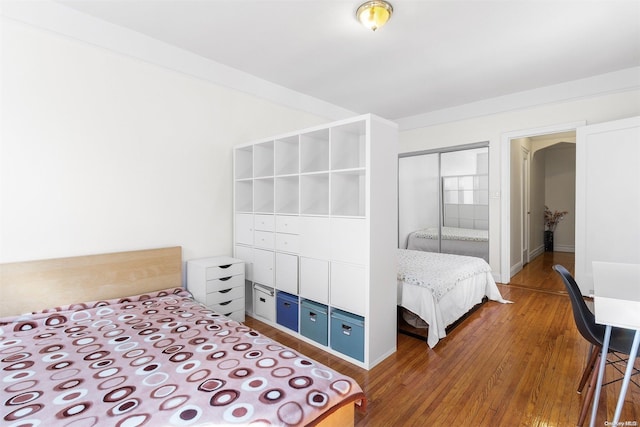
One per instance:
[(431, 55)]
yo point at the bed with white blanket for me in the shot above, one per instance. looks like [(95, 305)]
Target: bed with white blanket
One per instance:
[(441, 288), (455, 240)]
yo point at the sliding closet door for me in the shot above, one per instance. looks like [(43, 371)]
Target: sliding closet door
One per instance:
[(465, 202), (444, 201), (418, 194)]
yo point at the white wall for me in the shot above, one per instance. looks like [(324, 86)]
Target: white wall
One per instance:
[(101, 152), (490, 128), (560, 192)]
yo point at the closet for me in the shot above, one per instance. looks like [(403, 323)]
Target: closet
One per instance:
[(443, 200), (316, 223)]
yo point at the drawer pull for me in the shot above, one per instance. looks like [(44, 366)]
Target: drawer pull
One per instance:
[(287, 304), (262, 299), (225, 291), (312, 316), (224, 279), (225, 303), (225, 266), (346, 329)]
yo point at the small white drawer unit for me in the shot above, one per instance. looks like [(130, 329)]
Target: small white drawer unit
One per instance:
[(218, 283)]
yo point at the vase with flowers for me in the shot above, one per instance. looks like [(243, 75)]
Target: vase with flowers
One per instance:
[(551, 220)]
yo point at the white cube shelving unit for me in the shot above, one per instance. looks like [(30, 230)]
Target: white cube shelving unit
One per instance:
[(316, 217)]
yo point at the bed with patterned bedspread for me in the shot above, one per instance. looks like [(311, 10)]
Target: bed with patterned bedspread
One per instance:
[(157, 359), (441, 288)]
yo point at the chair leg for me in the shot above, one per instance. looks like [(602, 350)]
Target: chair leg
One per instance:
[(590, 391), (595, 350)]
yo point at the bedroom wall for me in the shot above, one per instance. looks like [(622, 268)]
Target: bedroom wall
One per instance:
[(102, 152), (490, 128)]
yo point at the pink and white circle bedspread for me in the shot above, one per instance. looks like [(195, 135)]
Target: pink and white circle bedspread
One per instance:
[(159, 359)]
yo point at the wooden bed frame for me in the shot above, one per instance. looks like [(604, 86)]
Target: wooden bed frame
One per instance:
[(37, 285)]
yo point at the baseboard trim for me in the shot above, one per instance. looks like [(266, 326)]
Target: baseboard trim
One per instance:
[(515, 268), (564, 248)]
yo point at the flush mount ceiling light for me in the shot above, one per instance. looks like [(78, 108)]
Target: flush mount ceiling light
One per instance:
[(374, 14)]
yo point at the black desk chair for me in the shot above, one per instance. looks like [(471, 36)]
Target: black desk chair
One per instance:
[(621, 339)]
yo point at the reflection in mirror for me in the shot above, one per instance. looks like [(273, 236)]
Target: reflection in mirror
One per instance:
[(444, 201)]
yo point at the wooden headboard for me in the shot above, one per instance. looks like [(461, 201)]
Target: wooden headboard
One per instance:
[(38, 285)]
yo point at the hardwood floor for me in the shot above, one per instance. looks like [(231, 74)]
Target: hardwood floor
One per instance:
[(538, 275), (505, 365)]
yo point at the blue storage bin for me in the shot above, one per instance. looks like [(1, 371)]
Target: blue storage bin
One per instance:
[(314, 321), (287, 310), (347, 334)]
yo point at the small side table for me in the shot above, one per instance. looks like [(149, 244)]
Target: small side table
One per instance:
[(218, 283)]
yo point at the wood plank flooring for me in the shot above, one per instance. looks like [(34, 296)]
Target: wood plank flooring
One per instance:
[(505, 365)]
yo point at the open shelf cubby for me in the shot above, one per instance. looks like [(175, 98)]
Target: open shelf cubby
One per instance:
[(314, 151), (348, 193), (287, 156), (244, 196), (244, 162), (314, 194), (287, 190), (263, 195), (348, 146), (263, 159)]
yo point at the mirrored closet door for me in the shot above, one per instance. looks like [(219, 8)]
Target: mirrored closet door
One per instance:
[(444, 200)]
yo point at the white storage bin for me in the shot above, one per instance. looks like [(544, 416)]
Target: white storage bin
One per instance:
[(264, 304)]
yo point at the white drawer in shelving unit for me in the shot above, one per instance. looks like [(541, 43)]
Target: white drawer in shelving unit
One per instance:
[(349, 240), (263, 266), (264, 239), (348, 287), (287, 224), (245, 253), (224, 283), (244, 229), (315, 235), (314, 279), (287, 273), (221, 271), (287, 242), (264, 222)]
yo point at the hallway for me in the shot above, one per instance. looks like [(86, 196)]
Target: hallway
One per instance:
[(539, 275)]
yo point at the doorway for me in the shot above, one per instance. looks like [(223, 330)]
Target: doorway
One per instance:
[(532, 163)]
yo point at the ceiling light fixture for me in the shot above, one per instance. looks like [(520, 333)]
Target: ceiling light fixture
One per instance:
[(374, 14)]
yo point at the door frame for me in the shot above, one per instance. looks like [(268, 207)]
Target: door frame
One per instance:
[(505, 185), (524, 194)]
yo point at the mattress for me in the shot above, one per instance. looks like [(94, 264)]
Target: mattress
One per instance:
[(157, 359), (441, 288)]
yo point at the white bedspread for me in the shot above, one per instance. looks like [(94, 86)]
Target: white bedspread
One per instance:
[(437, 272), (441, 288)]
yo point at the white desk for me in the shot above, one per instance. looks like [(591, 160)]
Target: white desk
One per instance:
[(616, 303)]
